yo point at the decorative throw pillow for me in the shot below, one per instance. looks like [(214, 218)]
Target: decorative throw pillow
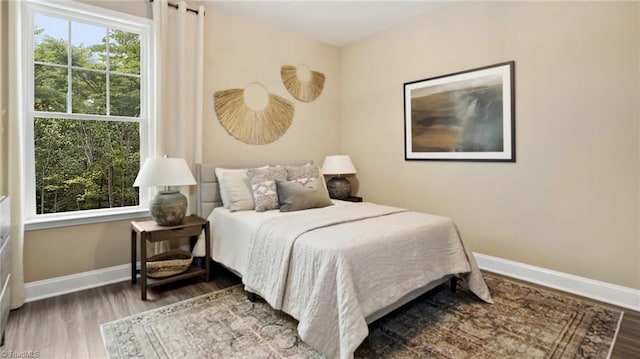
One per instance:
[(221, 173), (263, 186), (294, 196), (239, 192), (302, 174)]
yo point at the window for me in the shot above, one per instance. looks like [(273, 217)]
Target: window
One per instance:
[(88, 112)]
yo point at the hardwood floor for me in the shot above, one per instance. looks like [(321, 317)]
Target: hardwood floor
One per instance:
[(68, 326), (628, 342)]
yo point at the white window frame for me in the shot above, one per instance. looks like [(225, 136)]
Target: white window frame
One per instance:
[(89, 14)]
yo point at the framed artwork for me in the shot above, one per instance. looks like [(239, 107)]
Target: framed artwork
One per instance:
[(464, 116)]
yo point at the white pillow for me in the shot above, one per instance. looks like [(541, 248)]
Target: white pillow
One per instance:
[(239, 192), (224, 191)]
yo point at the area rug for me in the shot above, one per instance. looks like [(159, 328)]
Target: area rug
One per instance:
[(524, 322)]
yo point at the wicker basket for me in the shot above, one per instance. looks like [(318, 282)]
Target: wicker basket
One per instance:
[(168, 263)]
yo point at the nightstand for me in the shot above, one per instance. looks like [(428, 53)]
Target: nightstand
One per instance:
[(353, 199), (150, 231)]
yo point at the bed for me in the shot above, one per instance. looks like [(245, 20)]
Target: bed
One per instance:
[(336, 268)]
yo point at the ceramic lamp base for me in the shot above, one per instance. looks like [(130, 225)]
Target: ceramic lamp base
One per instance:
[(168, 208), (339, 188)]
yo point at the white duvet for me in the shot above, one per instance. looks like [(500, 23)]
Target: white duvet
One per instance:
[(332, 267)]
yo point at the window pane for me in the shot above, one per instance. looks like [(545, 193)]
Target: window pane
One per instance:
[(83, 165), (124, 52), (89, 92), (50, 84), (125, 95), (88, 46), (50, 36)]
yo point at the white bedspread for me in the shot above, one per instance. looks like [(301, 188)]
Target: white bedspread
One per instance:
[(332, 269), (231, 234)]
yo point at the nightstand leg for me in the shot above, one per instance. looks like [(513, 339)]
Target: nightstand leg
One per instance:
[(143, 265), (134, 235), (207, 251)]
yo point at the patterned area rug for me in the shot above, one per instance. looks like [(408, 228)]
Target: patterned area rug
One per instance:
[(524, 322)]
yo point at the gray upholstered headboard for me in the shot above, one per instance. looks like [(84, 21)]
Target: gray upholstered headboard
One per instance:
[(208, 192)]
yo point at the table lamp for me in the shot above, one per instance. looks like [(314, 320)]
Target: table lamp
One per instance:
[(168, 207), (339, 187)]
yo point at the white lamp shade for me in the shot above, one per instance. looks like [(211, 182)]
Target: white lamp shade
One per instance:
[(164, 171), (338, 165)]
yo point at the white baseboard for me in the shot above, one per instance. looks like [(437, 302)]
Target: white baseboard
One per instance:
[(602, 291), (76, 282), (606, 292)]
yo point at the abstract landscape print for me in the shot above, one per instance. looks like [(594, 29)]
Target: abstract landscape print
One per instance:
[(466, 116)]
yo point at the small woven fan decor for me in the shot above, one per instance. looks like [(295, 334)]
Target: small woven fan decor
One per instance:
[(249, 126), (305, 91)]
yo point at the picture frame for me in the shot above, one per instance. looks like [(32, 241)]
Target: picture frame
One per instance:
[(463, 116)]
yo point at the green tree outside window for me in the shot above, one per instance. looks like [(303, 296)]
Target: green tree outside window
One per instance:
[(87, 163)]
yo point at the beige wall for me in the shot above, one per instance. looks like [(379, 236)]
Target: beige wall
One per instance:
[(63, 251), (237, 53), (570, 202)]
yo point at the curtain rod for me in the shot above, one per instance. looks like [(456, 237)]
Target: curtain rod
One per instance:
[(175, 6)]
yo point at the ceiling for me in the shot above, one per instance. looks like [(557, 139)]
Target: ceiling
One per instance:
[(334, 22)]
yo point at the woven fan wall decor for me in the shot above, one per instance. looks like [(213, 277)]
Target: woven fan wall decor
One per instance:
[(249, 126), (306, 91)]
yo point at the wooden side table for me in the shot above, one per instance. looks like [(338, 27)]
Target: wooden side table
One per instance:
[(150, 231)]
